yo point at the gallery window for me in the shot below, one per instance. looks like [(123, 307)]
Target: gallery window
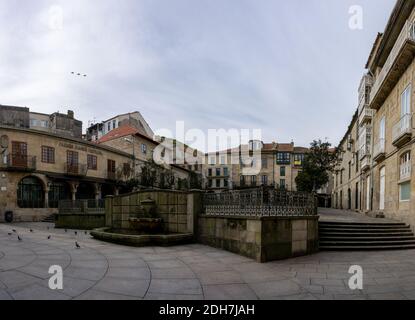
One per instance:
[(405, 191), (48, 154), (30, 193)]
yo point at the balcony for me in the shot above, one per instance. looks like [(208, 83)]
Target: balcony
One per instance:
[(402, 131), (364, 142), (111, 176), (77, 170), (399, 59), (366, 115), (379, 152), (18, 162), (365, 164), (405, 171)]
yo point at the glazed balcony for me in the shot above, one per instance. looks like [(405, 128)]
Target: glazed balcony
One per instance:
[(405, 171), (366, 115), (365, 163), (364, 142), (18, 162), (379, 152), (399, 59), (402, 131), (78, 170)]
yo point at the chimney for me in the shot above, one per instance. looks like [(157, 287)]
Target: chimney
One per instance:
[(70, 114)]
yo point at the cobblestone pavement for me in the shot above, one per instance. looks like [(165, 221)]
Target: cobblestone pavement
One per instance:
[(105, 271), (337, 215)]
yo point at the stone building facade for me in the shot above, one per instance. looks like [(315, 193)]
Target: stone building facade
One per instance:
[(278, 165), (386, 111)]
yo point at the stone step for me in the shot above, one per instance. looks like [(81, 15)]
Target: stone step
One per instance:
[(386, 226), (367, 248), (366, 234), (361, 223), (365, 239), (375, 243)]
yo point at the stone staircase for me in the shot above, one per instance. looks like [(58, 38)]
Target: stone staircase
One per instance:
[(361, 236)]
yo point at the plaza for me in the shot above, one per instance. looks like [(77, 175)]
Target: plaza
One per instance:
[(104, 271)]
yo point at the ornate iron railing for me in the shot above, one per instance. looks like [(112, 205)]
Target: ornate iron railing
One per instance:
[(260, 202), (81, 206)]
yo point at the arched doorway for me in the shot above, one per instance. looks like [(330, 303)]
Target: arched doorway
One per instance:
[(85, 191), (30, 193), (58, 191)]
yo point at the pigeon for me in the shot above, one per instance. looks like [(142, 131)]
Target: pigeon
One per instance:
[(31, 230), (86, 232), (66, 230), (19, 238), (77, 245), (10, 233), (14, 230), (49, 237), (76, 233)]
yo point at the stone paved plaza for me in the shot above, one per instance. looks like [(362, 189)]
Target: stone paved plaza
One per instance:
[(106, 271)]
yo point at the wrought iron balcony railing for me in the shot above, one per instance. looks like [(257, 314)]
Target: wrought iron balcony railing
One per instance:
[(402, 130), (20, 162), (76, 169)]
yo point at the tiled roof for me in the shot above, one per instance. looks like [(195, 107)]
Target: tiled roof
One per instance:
[(301, 149), (285, 147), (123, 131)]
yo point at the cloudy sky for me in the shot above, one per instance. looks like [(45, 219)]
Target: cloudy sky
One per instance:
[(290, 68)]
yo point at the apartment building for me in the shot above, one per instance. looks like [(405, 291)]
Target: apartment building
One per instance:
[(385, 122), (278, 166), (134, 119)]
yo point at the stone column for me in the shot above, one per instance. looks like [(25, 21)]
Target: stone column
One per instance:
[(74, 188), (194, 208), (98, 193), (47, 197)]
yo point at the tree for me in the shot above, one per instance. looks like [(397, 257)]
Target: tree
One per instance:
[(317, 165)]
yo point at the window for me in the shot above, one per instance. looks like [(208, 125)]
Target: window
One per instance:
[(92, 162), (264, 163), (406, 101), (114, 124), (283, 158), (282, 184), (264, 180), (144, 148), (242, 181), (109, 126), (72, 162), (357, 161), (225, 172), (226, 183), (217, 183), (48, 154), (222, 160), (212, 160), (282, 171), (298, 160), (210, 172), (111, 166), (210, 183), (405, 191), (253, 180), (405, 166), (218, 172), (350, 170)]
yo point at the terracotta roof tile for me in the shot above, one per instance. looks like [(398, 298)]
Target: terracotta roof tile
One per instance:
[(285, 147), (120, 132)]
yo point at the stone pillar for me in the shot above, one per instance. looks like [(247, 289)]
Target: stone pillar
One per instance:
[(47, 198), (98, 193), (194, 208), (74, 188), (108, 211), (117, 191)]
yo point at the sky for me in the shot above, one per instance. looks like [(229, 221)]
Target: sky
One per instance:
[(290, 68)]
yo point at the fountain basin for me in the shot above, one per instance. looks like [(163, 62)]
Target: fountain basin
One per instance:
[(125, 237), (146, 225)]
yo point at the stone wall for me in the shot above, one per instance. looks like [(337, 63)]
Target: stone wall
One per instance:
[(262, 239), (177, 209), (81, 221)]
